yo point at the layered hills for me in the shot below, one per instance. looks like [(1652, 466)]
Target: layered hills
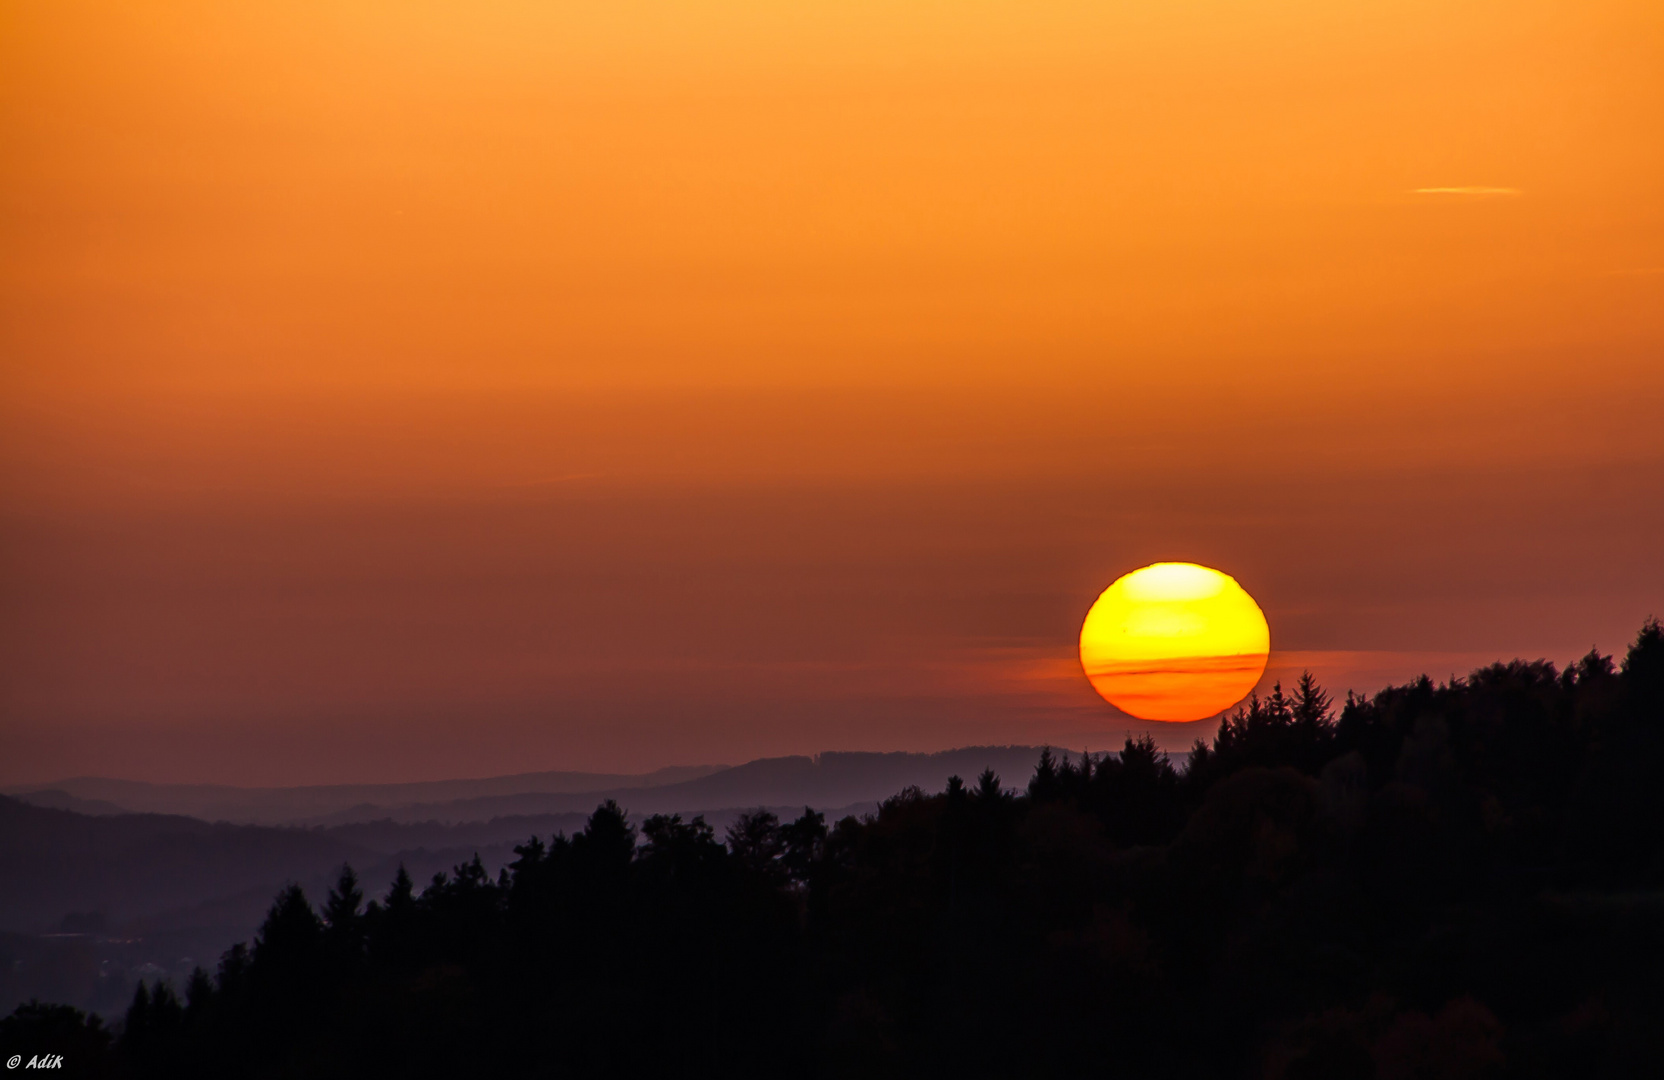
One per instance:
[(107, 880), (830, 779)]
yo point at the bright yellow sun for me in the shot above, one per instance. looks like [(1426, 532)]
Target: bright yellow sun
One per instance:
[(1174, 641)]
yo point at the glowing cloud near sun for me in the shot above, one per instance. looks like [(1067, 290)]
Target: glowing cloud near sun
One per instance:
[(1174, 641)]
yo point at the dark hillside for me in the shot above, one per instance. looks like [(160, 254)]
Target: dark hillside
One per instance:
[(100, 902), (55, 861)]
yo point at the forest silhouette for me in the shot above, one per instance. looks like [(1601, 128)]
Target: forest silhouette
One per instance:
[(1441, 881)]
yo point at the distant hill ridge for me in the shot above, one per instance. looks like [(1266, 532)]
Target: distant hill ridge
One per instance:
[(832, 778), (291, 805)]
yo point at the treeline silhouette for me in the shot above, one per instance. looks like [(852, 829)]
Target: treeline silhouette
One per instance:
[(1442, 881)]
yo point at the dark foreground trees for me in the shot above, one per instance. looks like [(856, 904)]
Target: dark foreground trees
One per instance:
[(1461, 880)]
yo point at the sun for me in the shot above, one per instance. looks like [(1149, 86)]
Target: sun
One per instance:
[(1174, 641)]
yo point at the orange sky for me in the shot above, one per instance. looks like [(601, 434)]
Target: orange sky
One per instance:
[(405, 390)]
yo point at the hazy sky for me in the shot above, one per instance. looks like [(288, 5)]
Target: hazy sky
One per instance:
[(412, 390)]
